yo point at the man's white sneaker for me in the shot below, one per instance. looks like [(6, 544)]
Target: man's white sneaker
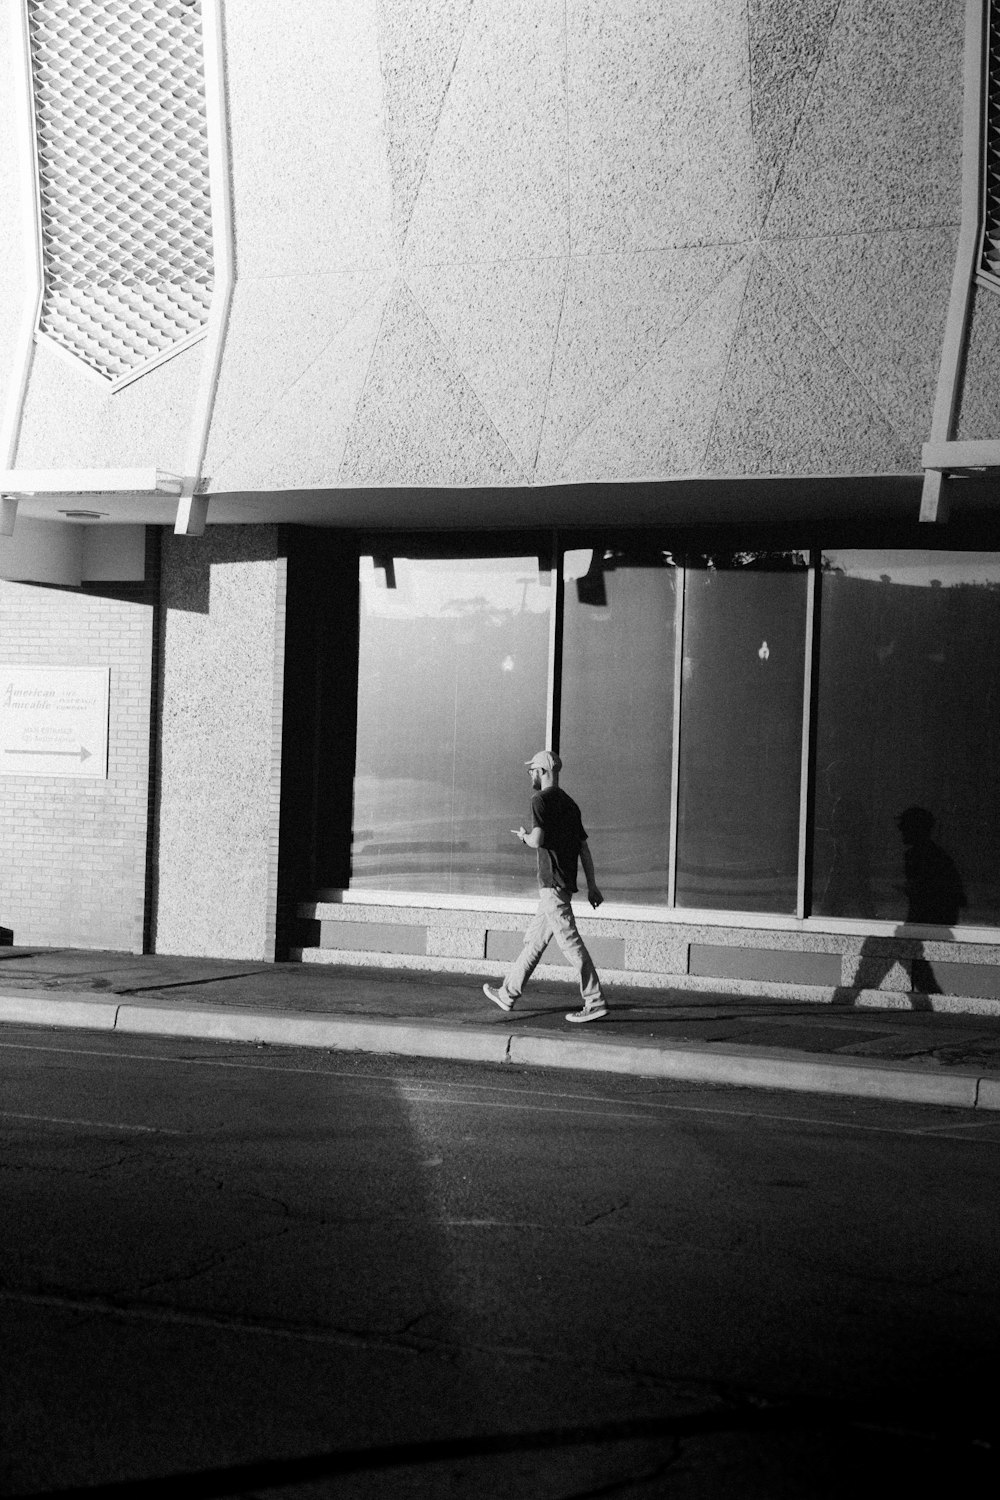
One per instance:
[(592, 1012), (498, 997)]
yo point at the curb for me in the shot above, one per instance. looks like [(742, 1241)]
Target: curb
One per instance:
[(762, 1068), (295, 1029), (73, 1009), (738, 1067)]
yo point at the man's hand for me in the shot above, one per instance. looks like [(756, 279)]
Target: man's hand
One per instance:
[(519, 832), (594, 896)]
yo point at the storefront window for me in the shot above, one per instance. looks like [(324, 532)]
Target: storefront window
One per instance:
[(907, 774), (617, 712), (452, 683), (741, 731)]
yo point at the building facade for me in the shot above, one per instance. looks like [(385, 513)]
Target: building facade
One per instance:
[(391, 389)]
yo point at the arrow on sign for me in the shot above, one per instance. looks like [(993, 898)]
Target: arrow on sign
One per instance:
[(82, 754)]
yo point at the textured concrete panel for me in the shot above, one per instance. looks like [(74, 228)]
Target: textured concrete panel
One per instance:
[(878, 142), (659, 108), (297, 354), (619, 310), (453, 941), (495, 179), (310, 180), (498, 321), (73, 420), (419, 46), (881, 300), (655, 954), (419, 421), (789, 404), (787, 41), (979, 413), (660, 423), (220, 728), (877, 973)]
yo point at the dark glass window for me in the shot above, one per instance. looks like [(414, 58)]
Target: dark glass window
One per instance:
[(741, 731), (452, 698), (452, 687), (617, 713), (907, 774)]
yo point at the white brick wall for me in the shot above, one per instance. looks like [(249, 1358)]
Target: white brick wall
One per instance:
[(73, 853)]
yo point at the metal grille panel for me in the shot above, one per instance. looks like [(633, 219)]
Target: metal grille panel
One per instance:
[(123, 171), (991, 187)]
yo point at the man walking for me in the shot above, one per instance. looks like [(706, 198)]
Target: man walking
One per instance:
[(558, 835)]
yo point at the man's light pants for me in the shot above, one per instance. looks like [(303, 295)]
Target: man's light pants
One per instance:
[(554, 918)]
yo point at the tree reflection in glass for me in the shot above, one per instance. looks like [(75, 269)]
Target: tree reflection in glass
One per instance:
[(453, 668)]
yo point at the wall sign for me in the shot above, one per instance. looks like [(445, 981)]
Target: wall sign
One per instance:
[(54, 721)]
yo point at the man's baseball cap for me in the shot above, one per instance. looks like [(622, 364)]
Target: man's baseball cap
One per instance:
[(544, 760)]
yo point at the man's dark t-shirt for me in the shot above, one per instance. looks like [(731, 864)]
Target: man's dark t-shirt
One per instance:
[(558, 816)]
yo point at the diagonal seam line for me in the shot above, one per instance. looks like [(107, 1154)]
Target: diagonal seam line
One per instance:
[(855, 375), (435, 127), (453, 360), (600, 409), (279, 401), (552, 363), (376, 341), (737, 327), (801, 115)]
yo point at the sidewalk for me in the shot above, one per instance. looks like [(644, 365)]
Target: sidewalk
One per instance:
[(758, 1042)]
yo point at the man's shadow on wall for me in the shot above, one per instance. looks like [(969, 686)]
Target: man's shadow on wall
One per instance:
[(935, 896)]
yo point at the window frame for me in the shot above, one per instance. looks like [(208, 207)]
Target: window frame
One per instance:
[(551, 549)]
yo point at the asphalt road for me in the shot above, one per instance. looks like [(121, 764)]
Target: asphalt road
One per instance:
[(274, 1272)]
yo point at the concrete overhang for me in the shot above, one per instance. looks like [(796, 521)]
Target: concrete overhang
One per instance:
[(967, 457), (82, 494), (688, 501), (967, 471)]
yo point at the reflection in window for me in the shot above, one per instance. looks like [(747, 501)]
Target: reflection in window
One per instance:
[(617, 713), (741, 731), (453, 670), (907, 775)]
